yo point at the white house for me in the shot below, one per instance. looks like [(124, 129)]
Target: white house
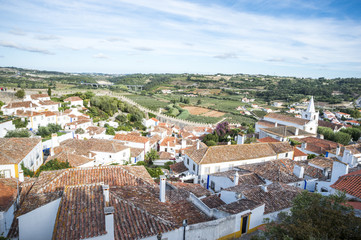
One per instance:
[(74, 101), (350, 154), (17, 151), (150, 123), (5, 126), (12, 107), (134, 140), (204, 161)]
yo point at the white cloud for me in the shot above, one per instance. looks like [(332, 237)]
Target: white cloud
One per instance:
[(101, 55), (25, 48)]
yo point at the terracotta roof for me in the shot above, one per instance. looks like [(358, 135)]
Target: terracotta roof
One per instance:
[(267, 140), (73, 159), (135, 152), (165, 156), (83, 147), (37, 96), (228, 153), (323, 162), (239, 206), (48, 114), (319, 146), (287, 118), (131, 138), (14, 150), (94, 130), (354, 149), (267, 123), (298, 153), (82, 206), (331, 125), (155, 120), (78, 122), (48, 102), (213, 201), (349, 183), (23, 113), (171, 211), (73, 99), (8, 193), (196, 189), (24, 104), (178, 168), (286, 131), (275, 171), (171, 140)]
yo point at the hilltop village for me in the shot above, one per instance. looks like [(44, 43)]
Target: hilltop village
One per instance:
[(65, 174)]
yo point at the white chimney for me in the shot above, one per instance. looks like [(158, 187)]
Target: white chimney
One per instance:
[(276, 124), (184, 143), (338, 150), (338, 169), (296, 132), (21, 176), (106, 194), (264, 188), (298, 171), (229, 143), (52, 151), (303, 146), (198, 144), (235, 178), (90, 155), (162, 186)]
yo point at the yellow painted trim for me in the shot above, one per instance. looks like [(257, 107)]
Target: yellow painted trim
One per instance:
[(249, 220), (16, 170), (231, 236), (255, 228)]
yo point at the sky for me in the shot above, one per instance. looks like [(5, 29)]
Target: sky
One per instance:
[(303, 38)]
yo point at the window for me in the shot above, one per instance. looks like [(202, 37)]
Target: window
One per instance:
[(194, 167), (286, 155), (213, 185), (124, 154), (187, 161), (110, 156)]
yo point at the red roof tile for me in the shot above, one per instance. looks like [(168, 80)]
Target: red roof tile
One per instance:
[(8, 193), (131, 138), (267, 140), (349, 183)]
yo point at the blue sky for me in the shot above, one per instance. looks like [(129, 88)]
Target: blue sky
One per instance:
[(305, 38)]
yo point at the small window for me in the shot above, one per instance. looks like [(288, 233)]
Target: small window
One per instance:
[(213, 185), (194, 167), (110, 156), (187, 161), (286, 155)]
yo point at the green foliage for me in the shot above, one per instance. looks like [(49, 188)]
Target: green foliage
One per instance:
[(17, 133), (294, 142), (49, 92), (1, 104), (354, 132), (20, 93), (19, 123), (52, 165), (154, 172), (48, 130), (339, 137), (27, 171), (167, 164), (110, 131), (210, 143), (121, 118), (151, 156), (314, 216), (250, 140), (310, 156), (79, 131)]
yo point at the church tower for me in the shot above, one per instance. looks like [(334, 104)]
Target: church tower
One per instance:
[(312, 115)]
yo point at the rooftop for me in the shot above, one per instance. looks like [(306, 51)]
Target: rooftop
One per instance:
[(228, 153), (319, 146), (14, 150), (349, 183), (131, 138), (267, 140), (287, 118), (73, 99), (37, 96), (24, 104), (8, 193), (178, 168)]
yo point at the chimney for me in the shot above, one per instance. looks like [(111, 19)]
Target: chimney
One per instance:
[(235, 178), (276, 124), (21, 176), (90, 155), (229, 143), (264, 188), (184, 143), (106, 194), (296, 131), (338, 169), (162, 186), (198, 144), (298, 171), (303, 146), (338, 150), (240, 139)]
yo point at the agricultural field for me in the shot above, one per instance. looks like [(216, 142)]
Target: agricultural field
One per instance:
[(203, 111), (149, 102)]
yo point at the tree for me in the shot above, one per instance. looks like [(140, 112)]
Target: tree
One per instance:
[(199, 102), (49, 92), (222, 128), (79, 131), (43, 132), (20, 93), (17, 133), (314, 216), (342, 138), (151, 156)]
